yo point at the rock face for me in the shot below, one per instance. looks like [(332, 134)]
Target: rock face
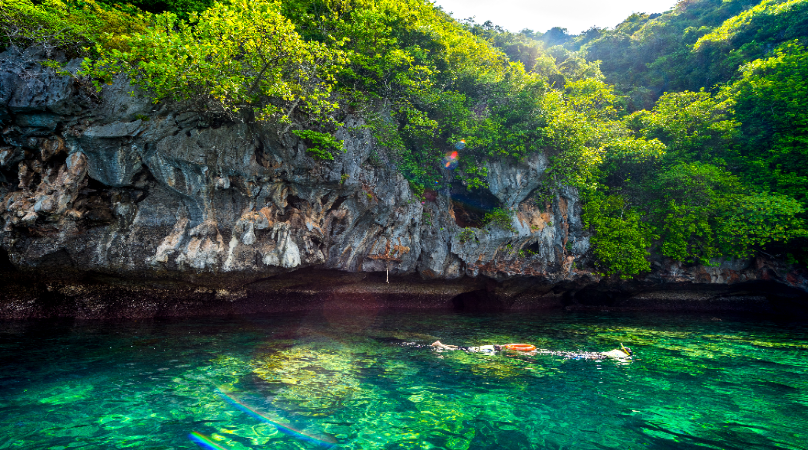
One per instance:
[(110, 191)]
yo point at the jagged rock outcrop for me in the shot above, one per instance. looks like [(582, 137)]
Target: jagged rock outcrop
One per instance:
[(172, 193), (162, 201)]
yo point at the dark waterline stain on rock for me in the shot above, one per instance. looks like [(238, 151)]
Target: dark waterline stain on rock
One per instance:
[(180, 215)]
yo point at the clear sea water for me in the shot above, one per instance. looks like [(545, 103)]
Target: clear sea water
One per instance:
[(351, 378)]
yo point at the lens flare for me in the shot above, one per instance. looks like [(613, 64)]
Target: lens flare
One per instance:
[(322, 440), (204, 441), (450, 160), (461, 144)]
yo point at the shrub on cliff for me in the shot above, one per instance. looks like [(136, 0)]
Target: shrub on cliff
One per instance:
[(74, 27), (241, 59), (621, 239), (182, 8), (500, 218)]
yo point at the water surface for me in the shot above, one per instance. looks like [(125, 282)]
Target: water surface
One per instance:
[(357, 379)]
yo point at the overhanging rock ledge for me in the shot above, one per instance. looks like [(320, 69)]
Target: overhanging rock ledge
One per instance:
[(112, 206)]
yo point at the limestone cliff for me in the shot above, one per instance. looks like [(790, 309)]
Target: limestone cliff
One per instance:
[(110, 191)]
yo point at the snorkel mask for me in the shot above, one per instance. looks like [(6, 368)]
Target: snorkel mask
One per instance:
[(626, 350)]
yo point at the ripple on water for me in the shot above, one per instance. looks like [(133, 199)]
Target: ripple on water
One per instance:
[(698, 383)]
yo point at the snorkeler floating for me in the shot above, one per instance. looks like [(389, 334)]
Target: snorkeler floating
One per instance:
[(619, 353)]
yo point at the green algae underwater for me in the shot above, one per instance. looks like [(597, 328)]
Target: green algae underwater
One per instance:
[(361, 380)]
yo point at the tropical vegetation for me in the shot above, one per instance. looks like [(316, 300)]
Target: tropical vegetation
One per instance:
[(685, 132)]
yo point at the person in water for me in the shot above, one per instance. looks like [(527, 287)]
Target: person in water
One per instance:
[(439, 346), (619, 353)]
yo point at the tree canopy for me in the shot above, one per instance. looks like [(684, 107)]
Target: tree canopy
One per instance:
[(685, 132)]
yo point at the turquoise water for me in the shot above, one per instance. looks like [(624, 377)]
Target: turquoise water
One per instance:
[(356, 381)]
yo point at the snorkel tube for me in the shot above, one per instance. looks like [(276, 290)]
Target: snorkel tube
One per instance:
[(626, 350)]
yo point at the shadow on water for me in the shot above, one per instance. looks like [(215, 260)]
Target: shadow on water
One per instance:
[(727, 436)]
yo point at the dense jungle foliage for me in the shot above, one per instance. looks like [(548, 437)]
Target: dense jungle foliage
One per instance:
[(685, 132)]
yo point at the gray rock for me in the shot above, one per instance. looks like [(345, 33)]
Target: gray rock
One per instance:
[(153, 192)]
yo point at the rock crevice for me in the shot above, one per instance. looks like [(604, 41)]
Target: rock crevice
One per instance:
[(113, 185)]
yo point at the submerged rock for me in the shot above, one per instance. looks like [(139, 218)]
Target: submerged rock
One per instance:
[(312, 381)]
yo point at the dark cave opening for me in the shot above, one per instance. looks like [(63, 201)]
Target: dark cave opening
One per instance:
[(293, 201), (57, 260), (338, 202), (5, 262), (470, 207), (532, 248), (480, 300), (97, 201), (10, 176)]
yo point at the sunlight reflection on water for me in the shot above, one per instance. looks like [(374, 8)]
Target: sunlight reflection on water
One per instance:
[(369, 379)]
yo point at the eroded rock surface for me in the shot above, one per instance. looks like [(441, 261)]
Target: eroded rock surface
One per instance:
[(114, 186)]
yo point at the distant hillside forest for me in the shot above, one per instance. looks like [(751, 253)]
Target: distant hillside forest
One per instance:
[(685, 132)]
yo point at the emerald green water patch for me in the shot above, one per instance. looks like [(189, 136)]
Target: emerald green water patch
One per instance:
[(371, 381)]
